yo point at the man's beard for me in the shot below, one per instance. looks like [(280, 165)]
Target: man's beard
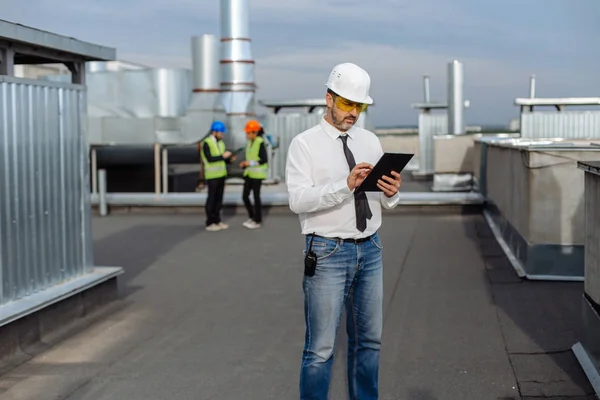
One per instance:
[(342, 124)]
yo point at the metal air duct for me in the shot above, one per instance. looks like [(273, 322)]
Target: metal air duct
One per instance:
[(205, 72), (205, 78), (456, 101), (237, 99)]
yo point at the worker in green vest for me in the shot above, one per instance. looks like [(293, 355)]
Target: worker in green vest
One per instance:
[(215, 159), (255, 171)]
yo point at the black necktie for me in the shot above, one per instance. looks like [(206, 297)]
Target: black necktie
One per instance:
[(363, 211)]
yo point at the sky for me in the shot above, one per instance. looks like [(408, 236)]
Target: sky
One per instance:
[(295, 45)]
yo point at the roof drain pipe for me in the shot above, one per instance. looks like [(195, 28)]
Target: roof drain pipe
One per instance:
[(273, 199)]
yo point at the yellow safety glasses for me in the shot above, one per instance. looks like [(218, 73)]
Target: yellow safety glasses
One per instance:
[(347, 105)]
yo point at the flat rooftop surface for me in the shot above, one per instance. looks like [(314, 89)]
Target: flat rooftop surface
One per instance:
[(220, 316)]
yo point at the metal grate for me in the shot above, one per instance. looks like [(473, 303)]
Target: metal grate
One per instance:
[(285, 127), (561, 124)]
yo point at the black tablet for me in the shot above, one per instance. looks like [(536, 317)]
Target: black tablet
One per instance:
[(387, 163)]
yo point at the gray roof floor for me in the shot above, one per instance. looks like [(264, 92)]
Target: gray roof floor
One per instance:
[(220, 316)]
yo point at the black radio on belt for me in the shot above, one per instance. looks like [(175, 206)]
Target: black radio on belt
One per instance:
[(310, 260)]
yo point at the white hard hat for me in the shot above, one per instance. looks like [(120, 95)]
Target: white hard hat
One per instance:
[(351, 82)]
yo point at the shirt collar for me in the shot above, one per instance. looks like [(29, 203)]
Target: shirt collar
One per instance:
[(333, 132)]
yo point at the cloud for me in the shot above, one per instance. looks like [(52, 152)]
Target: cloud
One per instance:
[(261, 10), (383, 59), (467, 28), (396, 74), (119, 10), (397, 41)]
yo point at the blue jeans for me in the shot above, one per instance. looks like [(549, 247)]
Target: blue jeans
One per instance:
[(347, 274)]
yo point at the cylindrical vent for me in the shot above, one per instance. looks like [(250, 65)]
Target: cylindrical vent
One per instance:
[(426, 96), (205, 63), (237, 64), (532, 87), (172, 91), (235, 19), (456, 102)]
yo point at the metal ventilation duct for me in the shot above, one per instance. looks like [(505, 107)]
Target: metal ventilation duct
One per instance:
[(205, 64), (237, 69), (205, 73), (205, 93)]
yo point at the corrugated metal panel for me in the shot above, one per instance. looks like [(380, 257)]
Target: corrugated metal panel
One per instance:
[(561, 124), (44, 198), (429, 125), (285, 127)]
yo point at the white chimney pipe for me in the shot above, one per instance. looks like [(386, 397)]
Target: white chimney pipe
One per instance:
[(456, 102), (427, 97), (532, 86)]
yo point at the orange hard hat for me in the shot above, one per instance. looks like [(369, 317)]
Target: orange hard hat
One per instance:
[(252, 126)]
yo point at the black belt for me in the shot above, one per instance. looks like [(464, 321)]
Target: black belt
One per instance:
[(355, 241)]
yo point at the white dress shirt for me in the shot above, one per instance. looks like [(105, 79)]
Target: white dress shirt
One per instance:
[(316, 174)]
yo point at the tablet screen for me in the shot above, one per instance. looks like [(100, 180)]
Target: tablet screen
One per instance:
[(387, 163)]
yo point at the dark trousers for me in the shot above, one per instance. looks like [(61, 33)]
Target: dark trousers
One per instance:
[(214, 202), (254, 213)]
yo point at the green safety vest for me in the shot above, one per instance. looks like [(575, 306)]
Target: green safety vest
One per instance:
[(252, 150), (217, 169)]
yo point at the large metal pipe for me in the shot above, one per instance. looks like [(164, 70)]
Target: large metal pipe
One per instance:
[(205, 63), (532, 86), (426, 94), (273, 199), (456, 101), (237, 67)]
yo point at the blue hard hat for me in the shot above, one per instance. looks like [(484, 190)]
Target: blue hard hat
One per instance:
[(218, 126)]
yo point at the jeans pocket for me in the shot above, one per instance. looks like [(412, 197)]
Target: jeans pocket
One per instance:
[(376, 242), (323, 248)]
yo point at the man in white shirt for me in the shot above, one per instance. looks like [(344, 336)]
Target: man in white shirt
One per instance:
[(343, 252)]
